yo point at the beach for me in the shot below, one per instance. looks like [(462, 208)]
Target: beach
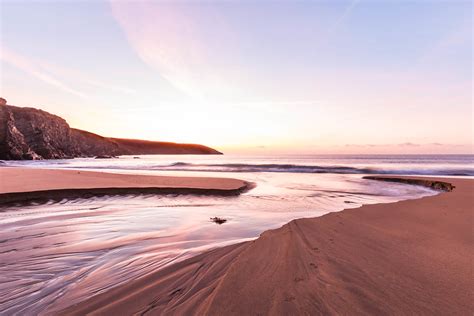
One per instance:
[(24, 184), (236, 158), (408, 257)]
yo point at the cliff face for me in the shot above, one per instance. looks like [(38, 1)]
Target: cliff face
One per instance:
[(27, 133)]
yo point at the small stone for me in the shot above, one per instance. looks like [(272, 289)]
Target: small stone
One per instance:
[(218, 220)]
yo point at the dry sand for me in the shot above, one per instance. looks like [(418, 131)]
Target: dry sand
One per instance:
[(411, 257), (19, 184)]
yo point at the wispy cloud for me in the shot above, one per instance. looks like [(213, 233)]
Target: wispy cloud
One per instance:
[(34, 69), (170, 39), (186, 44), (408, 144), (365, 145), (345, 14), (55, 75), (67, 72)]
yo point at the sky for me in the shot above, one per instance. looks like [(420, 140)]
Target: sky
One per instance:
[(257, 77)]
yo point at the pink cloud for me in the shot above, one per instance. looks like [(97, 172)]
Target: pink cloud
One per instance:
[(170, 39), (53, 74), (33, 68)]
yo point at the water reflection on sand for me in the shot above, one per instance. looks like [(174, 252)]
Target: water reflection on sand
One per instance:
[(72, 249)]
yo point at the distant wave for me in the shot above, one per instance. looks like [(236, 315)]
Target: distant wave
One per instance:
[(289, 168), (239, 167), (176, 164), (292, 168)]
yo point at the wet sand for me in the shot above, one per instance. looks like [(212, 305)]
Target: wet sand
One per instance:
[(409, 257), (25, 184)]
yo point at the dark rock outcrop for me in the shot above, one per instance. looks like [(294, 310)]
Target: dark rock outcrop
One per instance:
[(432, 184), (28, 133), (104, 157)]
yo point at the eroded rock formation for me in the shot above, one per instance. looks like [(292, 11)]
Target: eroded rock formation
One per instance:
[(28, 133)]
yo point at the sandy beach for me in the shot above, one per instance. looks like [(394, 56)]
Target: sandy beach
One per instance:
[(23, 184), (409, 257), (236, 158)]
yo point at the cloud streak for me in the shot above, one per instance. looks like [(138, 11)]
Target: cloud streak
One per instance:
[(347, 12), (55, 75), (188, 46), (79, 76), (35, 70)]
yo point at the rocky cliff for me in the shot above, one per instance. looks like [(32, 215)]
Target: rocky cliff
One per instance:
[(28, 133)]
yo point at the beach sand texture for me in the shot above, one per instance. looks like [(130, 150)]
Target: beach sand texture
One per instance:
[(20, 184), (409, 257)]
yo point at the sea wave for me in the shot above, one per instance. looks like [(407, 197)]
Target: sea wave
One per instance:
[(288, 168)]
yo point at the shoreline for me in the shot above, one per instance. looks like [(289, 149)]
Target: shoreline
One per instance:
[(436, 185), (410, 256), (20, 185)]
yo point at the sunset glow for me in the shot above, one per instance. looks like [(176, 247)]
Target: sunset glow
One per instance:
[(242, 157), (247, 77)]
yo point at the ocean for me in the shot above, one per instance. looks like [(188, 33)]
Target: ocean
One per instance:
[(50, 252)]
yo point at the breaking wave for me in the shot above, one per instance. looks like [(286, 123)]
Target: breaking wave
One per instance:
[(290, 168)]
